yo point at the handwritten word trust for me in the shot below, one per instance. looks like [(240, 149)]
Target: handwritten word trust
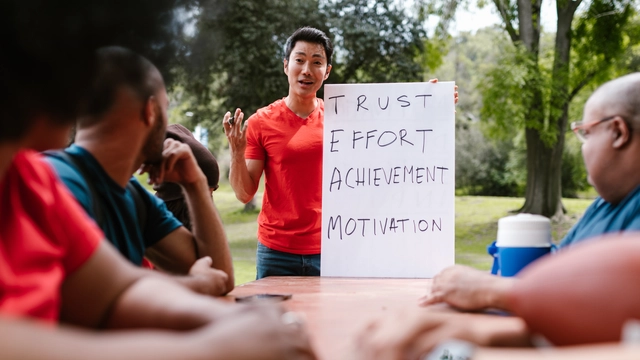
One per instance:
[(363, 104)]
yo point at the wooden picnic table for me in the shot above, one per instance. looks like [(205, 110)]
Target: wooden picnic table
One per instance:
[(335, 309)]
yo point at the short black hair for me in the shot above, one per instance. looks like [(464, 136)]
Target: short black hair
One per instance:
[(311, 35), (44, 67), (117, 67), (48, 52)]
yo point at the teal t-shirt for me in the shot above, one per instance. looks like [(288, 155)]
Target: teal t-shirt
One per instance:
[(602, 217), (119, 215)]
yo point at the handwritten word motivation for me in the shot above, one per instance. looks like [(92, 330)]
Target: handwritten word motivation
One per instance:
[(367, 176), (365, 227), (381, 138), (380, 103)]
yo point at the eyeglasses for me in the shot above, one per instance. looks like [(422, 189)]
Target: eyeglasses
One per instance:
[(580, 128)]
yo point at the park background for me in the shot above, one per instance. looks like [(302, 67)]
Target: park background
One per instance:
[(524, 70)]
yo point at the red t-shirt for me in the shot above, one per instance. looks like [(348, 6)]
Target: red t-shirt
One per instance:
[(44, 236), (291, 148)]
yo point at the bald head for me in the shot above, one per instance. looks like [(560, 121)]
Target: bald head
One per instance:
[(620, 97), (118, 67), (612, 151)]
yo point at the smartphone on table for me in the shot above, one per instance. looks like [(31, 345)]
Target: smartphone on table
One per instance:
[(263, 297)]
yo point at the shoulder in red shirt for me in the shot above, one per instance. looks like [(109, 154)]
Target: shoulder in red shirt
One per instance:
[(44, 236)]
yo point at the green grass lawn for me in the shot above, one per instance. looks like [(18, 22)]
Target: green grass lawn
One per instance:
[(241, 230), (476, 227)]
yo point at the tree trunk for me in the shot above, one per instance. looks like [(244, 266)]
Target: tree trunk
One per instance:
[(544, 161), (529, 25), (538, 153), (541, 196)]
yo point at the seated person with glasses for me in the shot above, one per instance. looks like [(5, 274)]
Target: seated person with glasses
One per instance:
[(581, 129), (611, 153), (584, 299)]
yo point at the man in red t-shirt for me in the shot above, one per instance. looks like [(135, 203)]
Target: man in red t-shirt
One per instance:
[(284, 140)]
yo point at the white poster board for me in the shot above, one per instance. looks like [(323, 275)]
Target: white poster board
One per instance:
[(388, 183)]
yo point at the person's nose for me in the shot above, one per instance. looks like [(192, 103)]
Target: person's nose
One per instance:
[(306, 68)]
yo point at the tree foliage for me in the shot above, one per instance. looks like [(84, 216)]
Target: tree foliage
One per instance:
[(601, 38), (531, 86), (236, 53), (376, 41), (491, 159), (505, 100), (482, 165)]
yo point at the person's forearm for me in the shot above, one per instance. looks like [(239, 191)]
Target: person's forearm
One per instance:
[(193, 283), (153, 302), (22, 339), (210, 237), (585, 352), (498, 292), (501, 331), (244, 186), (188, 281)]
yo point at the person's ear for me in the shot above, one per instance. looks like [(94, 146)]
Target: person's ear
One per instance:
[(149, 115), (621, 133), (326, 75), (286, 66)]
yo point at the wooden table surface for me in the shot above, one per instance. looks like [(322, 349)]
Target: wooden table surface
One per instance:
[(336, 308)]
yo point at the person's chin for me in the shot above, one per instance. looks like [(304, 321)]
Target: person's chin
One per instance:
[(600, 190)]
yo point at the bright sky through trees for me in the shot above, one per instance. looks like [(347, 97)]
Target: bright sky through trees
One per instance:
[(473, 18)]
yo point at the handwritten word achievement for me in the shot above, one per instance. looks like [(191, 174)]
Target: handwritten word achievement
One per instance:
[(388, 180)]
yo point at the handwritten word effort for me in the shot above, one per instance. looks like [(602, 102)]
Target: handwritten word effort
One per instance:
[(381, 138)]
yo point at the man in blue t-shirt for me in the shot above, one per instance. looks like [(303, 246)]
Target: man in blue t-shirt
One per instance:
[(125, 131), (611, 152)]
